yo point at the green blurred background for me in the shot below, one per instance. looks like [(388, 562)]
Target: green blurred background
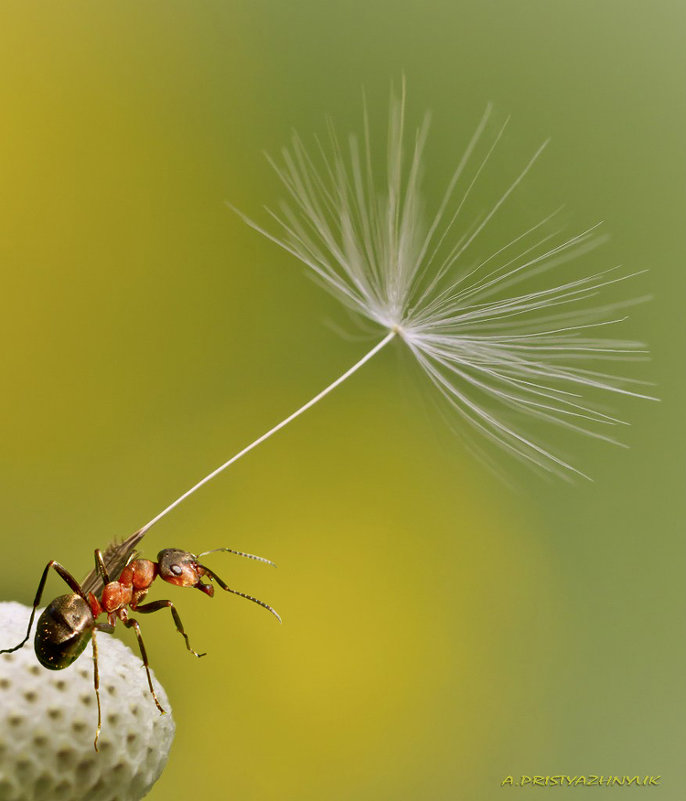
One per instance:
[(441, 631)]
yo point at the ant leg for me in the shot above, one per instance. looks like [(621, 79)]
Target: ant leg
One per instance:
[(96, 687), (108, 628), (100, 566), (66, 576), (214, 576), (133, 624), (155, 606), (96, 674)]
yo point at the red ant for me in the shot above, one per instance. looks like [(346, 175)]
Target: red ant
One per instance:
[(70, 621)]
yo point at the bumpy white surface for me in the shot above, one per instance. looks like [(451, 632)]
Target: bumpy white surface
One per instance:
[(48, 720)]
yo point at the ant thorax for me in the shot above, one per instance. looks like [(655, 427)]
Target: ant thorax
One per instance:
[(131, 587)]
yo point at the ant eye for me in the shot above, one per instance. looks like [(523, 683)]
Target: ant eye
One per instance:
[(176, 570)]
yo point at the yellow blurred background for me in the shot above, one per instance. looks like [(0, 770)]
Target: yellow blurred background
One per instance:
[(441, 631)]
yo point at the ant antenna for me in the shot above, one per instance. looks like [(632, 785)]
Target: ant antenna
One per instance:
[(238, 553), (257, 601)]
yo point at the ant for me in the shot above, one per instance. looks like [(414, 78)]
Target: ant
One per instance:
[(118, 583)]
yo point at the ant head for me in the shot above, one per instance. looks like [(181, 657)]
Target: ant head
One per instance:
[(182, 569)]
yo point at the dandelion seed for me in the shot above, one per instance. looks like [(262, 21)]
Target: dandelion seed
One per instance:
[(500, 354)]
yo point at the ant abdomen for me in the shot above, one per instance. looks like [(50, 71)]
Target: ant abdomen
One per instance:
[(63, 631)]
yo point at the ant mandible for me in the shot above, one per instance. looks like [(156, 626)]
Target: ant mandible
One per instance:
[(70, 621)]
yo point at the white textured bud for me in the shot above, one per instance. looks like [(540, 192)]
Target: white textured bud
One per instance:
[(48, 721)]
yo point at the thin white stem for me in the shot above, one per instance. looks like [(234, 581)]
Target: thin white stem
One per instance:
[(271, 431)]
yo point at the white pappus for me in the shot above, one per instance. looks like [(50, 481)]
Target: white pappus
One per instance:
[(499, 353)]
